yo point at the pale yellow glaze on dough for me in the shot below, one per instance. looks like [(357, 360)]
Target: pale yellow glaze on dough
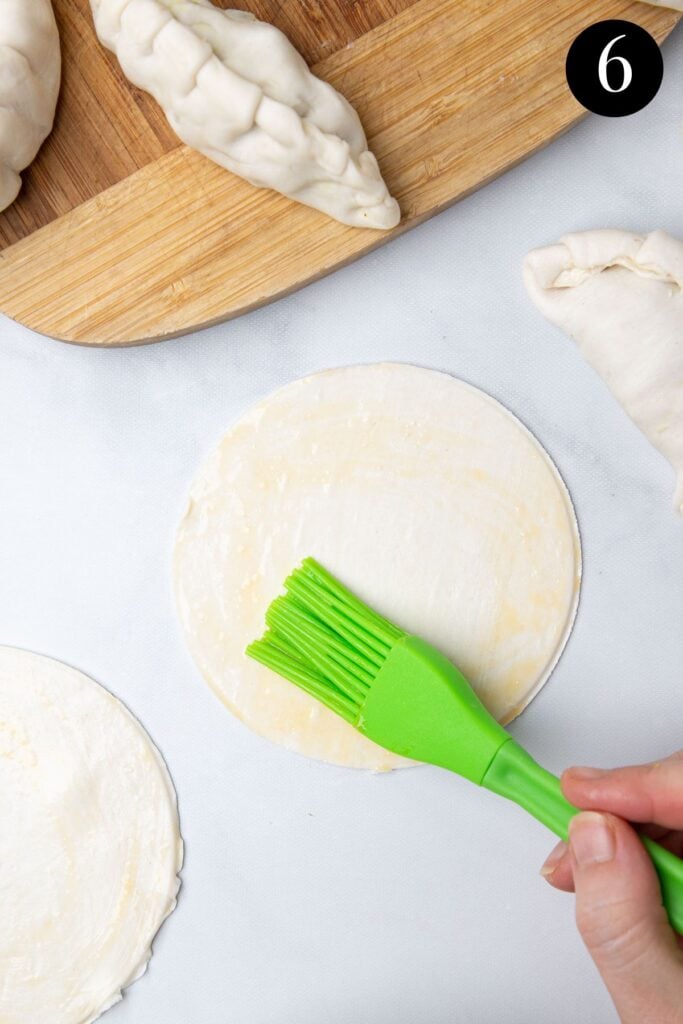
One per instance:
[(424, 495), (89, 844)]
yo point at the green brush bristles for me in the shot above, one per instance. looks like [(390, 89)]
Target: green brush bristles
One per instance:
[(325, 640)]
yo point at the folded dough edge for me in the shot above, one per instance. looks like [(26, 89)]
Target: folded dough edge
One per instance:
[(619, 295)]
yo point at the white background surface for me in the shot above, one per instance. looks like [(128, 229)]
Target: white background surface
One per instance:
[(316, 895)]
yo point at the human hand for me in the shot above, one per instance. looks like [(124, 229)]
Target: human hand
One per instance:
[(619, 910)]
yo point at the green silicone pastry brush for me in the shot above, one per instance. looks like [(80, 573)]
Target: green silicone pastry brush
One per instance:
[(406, 696)]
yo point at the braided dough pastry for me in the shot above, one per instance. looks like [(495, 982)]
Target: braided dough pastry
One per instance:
[(89, 845), (620, 297), (30, 67), (235, 89)]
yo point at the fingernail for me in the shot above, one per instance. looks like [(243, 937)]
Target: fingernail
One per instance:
[(586, 774), (553, 859), (591, 839)]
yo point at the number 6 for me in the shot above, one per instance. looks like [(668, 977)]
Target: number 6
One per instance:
[(605, 60)]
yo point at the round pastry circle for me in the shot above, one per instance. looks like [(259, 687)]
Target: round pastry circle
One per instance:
[(422, 494), (90, 845)]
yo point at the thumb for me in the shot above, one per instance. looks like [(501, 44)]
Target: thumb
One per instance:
[(622, 921)]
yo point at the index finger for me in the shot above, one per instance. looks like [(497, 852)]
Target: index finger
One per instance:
[(643, 793)]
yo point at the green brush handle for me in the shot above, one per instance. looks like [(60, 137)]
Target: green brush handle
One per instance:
[(515, 775)]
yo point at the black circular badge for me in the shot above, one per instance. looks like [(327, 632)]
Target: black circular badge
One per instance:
[(614, 68)]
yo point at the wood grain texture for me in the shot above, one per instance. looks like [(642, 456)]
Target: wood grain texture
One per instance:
[(106, 128), (123, 236)]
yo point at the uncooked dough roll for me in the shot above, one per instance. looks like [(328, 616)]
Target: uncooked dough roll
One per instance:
[(429, 499), (89, 845), (30, 67), (235, 89), (620, 297)]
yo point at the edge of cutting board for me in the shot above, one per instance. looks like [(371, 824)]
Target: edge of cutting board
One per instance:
[(451, 92)]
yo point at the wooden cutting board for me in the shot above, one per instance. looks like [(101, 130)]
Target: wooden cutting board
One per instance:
[(121, 235)]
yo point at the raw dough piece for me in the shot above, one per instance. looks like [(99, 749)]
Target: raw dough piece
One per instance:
[(236, 89), (424, 495), (620, 296), (89, 844), (30, 67)]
